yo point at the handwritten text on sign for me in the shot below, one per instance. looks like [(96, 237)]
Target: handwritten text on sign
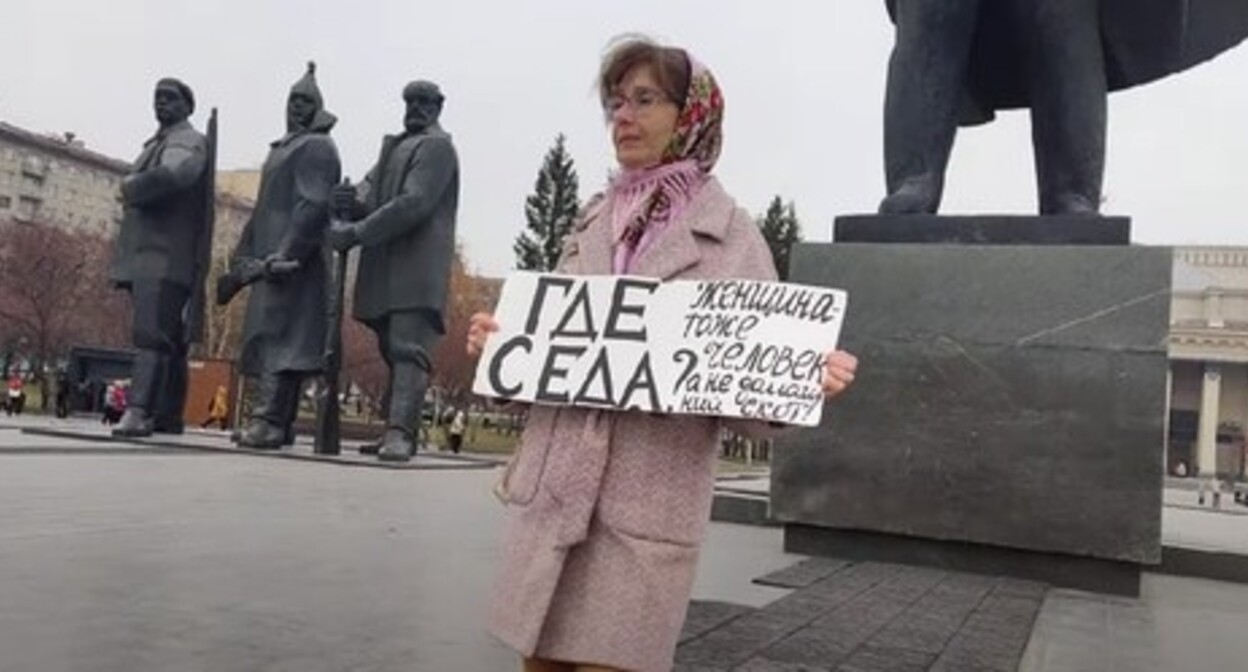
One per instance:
[(718, 347)]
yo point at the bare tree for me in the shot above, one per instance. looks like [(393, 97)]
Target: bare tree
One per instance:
[(453, 369), (54, 293)]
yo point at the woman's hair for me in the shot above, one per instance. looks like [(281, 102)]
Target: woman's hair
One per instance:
[(669, 66)]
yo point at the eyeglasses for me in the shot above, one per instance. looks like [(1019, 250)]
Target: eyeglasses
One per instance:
[(639, 102)]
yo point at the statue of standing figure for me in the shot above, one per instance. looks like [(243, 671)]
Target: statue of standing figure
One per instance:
[(282, 255), (403, 218), (161, 257), (961, 60)]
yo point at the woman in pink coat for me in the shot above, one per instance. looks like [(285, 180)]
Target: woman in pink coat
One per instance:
[(607, 510)]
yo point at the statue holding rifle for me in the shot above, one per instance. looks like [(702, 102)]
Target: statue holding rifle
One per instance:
[(282, 255)]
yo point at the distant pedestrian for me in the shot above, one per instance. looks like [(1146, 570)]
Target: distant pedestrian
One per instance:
[(218, 408), (114, 403), (459, 423), (16, 396), (62, 395)]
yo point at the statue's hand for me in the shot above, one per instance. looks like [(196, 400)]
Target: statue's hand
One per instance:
[(342, 236), (344, 198), (277, 266)]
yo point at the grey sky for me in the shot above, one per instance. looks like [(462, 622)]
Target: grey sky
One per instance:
[(803, 83)]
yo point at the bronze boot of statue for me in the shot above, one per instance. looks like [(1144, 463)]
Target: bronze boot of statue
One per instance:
[(135, 422), (407, 397), (167, 417), (147, 380), (267, 429)]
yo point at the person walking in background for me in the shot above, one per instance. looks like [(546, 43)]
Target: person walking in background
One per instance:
[(459, 422), (607, 509), (115, 402), (218, 409), (16, 396), (62, 394)]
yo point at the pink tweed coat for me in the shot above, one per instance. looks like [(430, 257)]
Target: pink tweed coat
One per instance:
[(607, 510)]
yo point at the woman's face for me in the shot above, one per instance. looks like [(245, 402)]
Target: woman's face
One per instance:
[(643, 120)]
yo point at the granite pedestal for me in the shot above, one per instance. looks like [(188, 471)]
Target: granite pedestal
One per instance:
[(1008, 415)]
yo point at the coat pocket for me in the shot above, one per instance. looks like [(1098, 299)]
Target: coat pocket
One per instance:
[(520, 480), (659, 482)]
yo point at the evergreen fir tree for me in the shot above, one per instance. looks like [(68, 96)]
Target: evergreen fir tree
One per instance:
[(781, 230), (550, 211)]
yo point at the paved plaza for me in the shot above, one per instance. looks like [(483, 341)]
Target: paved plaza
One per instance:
[(126, 558)]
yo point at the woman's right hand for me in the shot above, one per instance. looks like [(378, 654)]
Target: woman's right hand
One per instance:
[(480, 326)]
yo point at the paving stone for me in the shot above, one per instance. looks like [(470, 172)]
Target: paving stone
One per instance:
[(908, 587), (804, 573), (984, 643), (872, 659), (1009, 607), (704, 616), (804, 607), (961, 588), (914, 632), (736, 642), (764, 665), (963, 666), (986, 625), (1033, 590), (855, 579), (811, 647), (848, 628)]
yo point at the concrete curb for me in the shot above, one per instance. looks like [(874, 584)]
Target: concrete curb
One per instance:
[(346, 459)]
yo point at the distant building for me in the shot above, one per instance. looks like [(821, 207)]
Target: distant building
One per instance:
[(1208, 361), (243, 184), (56, 179)]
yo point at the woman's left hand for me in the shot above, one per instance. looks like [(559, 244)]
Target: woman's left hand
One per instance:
[(839, 368)]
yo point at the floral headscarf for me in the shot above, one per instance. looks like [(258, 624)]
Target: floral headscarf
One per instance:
[(644, 201), (699, 129)]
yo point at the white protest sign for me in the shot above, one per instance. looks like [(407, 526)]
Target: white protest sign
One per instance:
[(735, 348)]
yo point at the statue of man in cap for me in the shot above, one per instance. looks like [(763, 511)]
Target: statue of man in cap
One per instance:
[(282, 255), (958, 61), (158, 248), (403, 218)]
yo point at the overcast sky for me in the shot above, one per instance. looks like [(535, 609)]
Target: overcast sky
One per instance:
[(803, 83)]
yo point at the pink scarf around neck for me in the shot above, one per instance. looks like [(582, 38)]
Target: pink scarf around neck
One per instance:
[(643, 202)]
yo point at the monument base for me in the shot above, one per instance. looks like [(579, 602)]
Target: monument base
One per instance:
[(1008, 411), (984, 229), (1056, 569)]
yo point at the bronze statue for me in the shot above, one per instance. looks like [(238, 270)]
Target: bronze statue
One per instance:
[(282, 255), (403, 218), (961, 60), (160, 259)]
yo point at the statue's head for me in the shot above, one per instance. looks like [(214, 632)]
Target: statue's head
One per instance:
[(173, 102), (304, 102), (424, 105)]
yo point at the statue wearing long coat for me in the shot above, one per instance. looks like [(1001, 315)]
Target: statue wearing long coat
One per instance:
[(1143, 40), (286, 321), (408, 238)]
